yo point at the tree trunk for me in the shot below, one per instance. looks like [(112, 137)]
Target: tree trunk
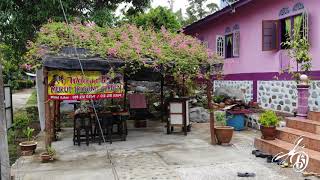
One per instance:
[(4, 153), (209, 97)]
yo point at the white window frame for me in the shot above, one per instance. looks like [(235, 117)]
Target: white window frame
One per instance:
[(220, 48), (236, 43)]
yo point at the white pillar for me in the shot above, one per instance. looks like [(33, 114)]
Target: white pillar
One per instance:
[(40, 98)]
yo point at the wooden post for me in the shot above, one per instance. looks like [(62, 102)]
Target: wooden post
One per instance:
[(210, 107), (125, 93), (4, 153), (54, 120), (162, 99), (184, 116), (58, 116), (47, 130)]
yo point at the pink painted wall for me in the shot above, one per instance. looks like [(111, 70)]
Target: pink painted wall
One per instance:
[(252, 59)]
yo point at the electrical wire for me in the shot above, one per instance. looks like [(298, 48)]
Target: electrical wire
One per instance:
[(114, 170)]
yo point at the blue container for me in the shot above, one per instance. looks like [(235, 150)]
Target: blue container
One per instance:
[(236, 121)]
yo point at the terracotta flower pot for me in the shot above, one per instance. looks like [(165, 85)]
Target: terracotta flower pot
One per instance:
[(45, 157), (268, 133), (223, 134), (28, 146), (222, 105)]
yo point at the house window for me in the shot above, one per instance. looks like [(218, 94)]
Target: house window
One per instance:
[(236, 43), (269, 35), (229, 46), (285, 31), (220, 46), (276, 32)]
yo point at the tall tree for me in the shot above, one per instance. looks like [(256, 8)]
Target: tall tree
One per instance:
[(157, 18), (198, 9), (20, 19), (171, 4)]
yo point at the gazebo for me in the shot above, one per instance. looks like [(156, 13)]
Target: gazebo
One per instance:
[(168, 56)]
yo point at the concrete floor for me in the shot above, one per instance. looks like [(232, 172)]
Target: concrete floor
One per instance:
[(150, 154)]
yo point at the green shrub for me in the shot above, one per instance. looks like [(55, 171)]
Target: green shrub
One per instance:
[(21, 84), (219, 99), (220, 117), (20, 120), (269, 118), (32, 112), (32, 99), (28, 133), (51, 151)]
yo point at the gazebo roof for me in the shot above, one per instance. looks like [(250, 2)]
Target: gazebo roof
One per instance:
[(89, 64), (67, 62)]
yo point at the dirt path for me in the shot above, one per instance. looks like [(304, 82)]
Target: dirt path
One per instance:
[(20, 98)]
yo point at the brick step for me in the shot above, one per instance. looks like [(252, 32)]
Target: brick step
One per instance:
[(303, 124), (315, 116), (276, 146), (310, 140)]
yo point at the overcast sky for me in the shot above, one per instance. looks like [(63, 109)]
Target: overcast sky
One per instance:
[(183, 4), (178, 4)]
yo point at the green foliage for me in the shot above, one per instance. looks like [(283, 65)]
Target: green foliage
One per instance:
[(32, 99), (20, 20), (158, 18), (218, 99), (28, 133), (20, 120), (268, 118), (220, 117), (51, 151), (198, 9), (298, 50), (10, 60), (103, 17), (136, 46)]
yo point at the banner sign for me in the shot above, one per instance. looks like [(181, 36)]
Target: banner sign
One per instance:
[(72, 85)]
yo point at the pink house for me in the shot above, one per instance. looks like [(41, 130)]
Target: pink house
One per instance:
[(248, 35)]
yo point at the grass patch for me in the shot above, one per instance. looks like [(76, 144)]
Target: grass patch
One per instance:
[(32, 99)]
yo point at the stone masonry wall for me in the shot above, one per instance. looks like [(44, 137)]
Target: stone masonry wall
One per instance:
[(277, 95), (282, 95), (244, 86)]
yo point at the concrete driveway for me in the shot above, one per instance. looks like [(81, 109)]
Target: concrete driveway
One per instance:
[(150, 154), (20, 98)]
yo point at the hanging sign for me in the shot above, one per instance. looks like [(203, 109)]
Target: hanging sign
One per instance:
[(72, 85)]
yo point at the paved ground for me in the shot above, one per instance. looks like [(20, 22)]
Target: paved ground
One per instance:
[(20, 98), (150, 154)]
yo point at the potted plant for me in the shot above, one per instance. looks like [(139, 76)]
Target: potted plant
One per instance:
[(29, 145), (268, 121), (48, 155), (223, 133)]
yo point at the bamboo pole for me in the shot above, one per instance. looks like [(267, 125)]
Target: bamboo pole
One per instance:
[(4, 153)]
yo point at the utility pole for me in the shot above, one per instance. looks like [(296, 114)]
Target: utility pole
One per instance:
[(4, 153)]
